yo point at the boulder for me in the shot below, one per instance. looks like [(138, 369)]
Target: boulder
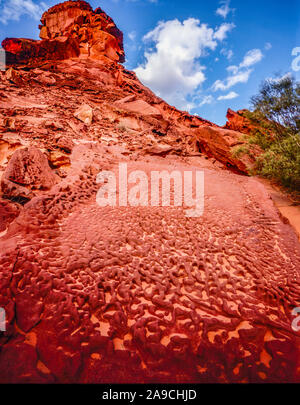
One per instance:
[(139, 107), (64, 143), (58, 159), (27, 172), (13, 76), (159, 149), (84, 114)]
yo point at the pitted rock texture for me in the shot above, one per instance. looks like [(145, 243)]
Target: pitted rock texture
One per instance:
[(146, 294), (8, 212), (133, 294)]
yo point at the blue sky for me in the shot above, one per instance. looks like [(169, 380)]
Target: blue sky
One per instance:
[(199, 55)]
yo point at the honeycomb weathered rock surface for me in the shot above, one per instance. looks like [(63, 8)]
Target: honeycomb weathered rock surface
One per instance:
[(134, 294)]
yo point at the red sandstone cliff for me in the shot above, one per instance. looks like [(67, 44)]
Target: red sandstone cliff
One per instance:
[(73, 31), (70, 29)]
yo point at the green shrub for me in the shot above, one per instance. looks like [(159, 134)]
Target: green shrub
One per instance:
[(264, 136), (240, 150), (276, 112), (279, 101), (281, 162)]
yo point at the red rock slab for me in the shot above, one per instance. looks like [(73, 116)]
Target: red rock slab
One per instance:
[(221, 143), (145, 294)]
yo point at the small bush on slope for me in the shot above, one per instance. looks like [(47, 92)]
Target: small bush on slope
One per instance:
[(276, 110), (281, 162)]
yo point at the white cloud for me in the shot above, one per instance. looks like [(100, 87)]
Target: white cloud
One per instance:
[(14, 9), (206, 100), (228, 53), (251, 58), (239, 77), (268, 46), (240, 73), (229, 96), (132, 35), (172, 69), (222, 31), (224, 8)]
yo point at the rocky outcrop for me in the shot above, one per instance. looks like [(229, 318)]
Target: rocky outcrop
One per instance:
[(73, 30), (94, 31), (70, 29), (221, 144), (248, 123), (23, 51), (236, 121)]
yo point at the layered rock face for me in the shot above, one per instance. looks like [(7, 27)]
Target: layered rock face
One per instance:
[(70, 29), (239, 121), (130, 294)]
